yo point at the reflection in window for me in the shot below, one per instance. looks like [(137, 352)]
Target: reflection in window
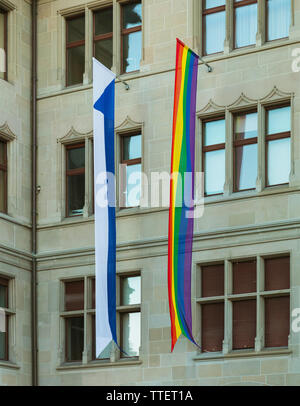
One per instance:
[(245, 151), (103, 36), (131, 36), (213, 26), (3, 43), (4, 305), (75, 176), (74, 338), (245, 23), (75, 43), (278, 144), (279, 19), (214, 156), (130, 182)]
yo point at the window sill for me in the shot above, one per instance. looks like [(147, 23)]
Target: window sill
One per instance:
[(242, 354), (8, 364), (98, 364)]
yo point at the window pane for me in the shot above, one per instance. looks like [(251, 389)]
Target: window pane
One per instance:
[(74, 295), (245, 167), (75, 65), (277, 273), (3, 296), (3, 191), (245, 25), (75, 29), (244, 277), (213, 3), (132, 51), (74, 341), (245, 126), (279, 18), (212, 327), (279, 120), (2, 152), (3, 338), (93, 283), (103, 52), (104, 21), (132, 147), (212, 280), (132, 15), (277, 321), (214, 32), (76, 158), (131, 290), (279, 151), (244, 324), (214, 172), (131, 333), (133, 185), (76, 190), (214, 132), (3, 17)]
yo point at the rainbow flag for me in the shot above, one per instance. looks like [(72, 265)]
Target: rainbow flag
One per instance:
[(181, 221)]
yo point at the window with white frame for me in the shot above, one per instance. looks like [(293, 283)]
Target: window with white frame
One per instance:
[(244, 304)]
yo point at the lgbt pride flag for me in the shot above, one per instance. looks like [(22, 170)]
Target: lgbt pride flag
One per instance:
[(181, 221)]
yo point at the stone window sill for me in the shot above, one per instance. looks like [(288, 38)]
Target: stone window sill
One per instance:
[(9, 364), (242, 354), (98, 364)]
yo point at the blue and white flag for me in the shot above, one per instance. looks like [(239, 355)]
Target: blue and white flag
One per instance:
[(105, 215)]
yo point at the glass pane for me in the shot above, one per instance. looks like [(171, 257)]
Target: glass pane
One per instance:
[(214, 32), (2, 345), (245, 25), (214, 132), (244, 277), (76, 190), (75, 65), (132, 51), (212, 327), (104, 21), (132, 147), (75, 29), (279, 18), (279, 151), (2, 152), (104, 53), (131, 333), (246, 126), (3, 191), (76, 158), (246, 167), (2, 18), (133, 185), (212, 280), (131, 290), (213, 3), (74, 295), (3, 296), (214, 172), (74, 342), (244, 324), (279, 120), (132, 15)]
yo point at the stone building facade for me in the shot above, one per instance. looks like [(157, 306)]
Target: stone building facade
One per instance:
[(258, 226)]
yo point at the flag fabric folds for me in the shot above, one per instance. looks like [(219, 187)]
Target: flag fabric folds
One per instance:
[(105, 218), (181, 222)]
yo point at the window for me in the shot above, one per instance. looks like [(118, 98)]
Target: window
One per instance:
[(75, 179), (213, 156), (3, 176), (131, 41), (75, 52), (245, 151), (131, 161), (129, 313), (278, 19), (3, 43), (103, 36), (213, 22), (245, 22), (4, 305), (253, 312), (278, 144)]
